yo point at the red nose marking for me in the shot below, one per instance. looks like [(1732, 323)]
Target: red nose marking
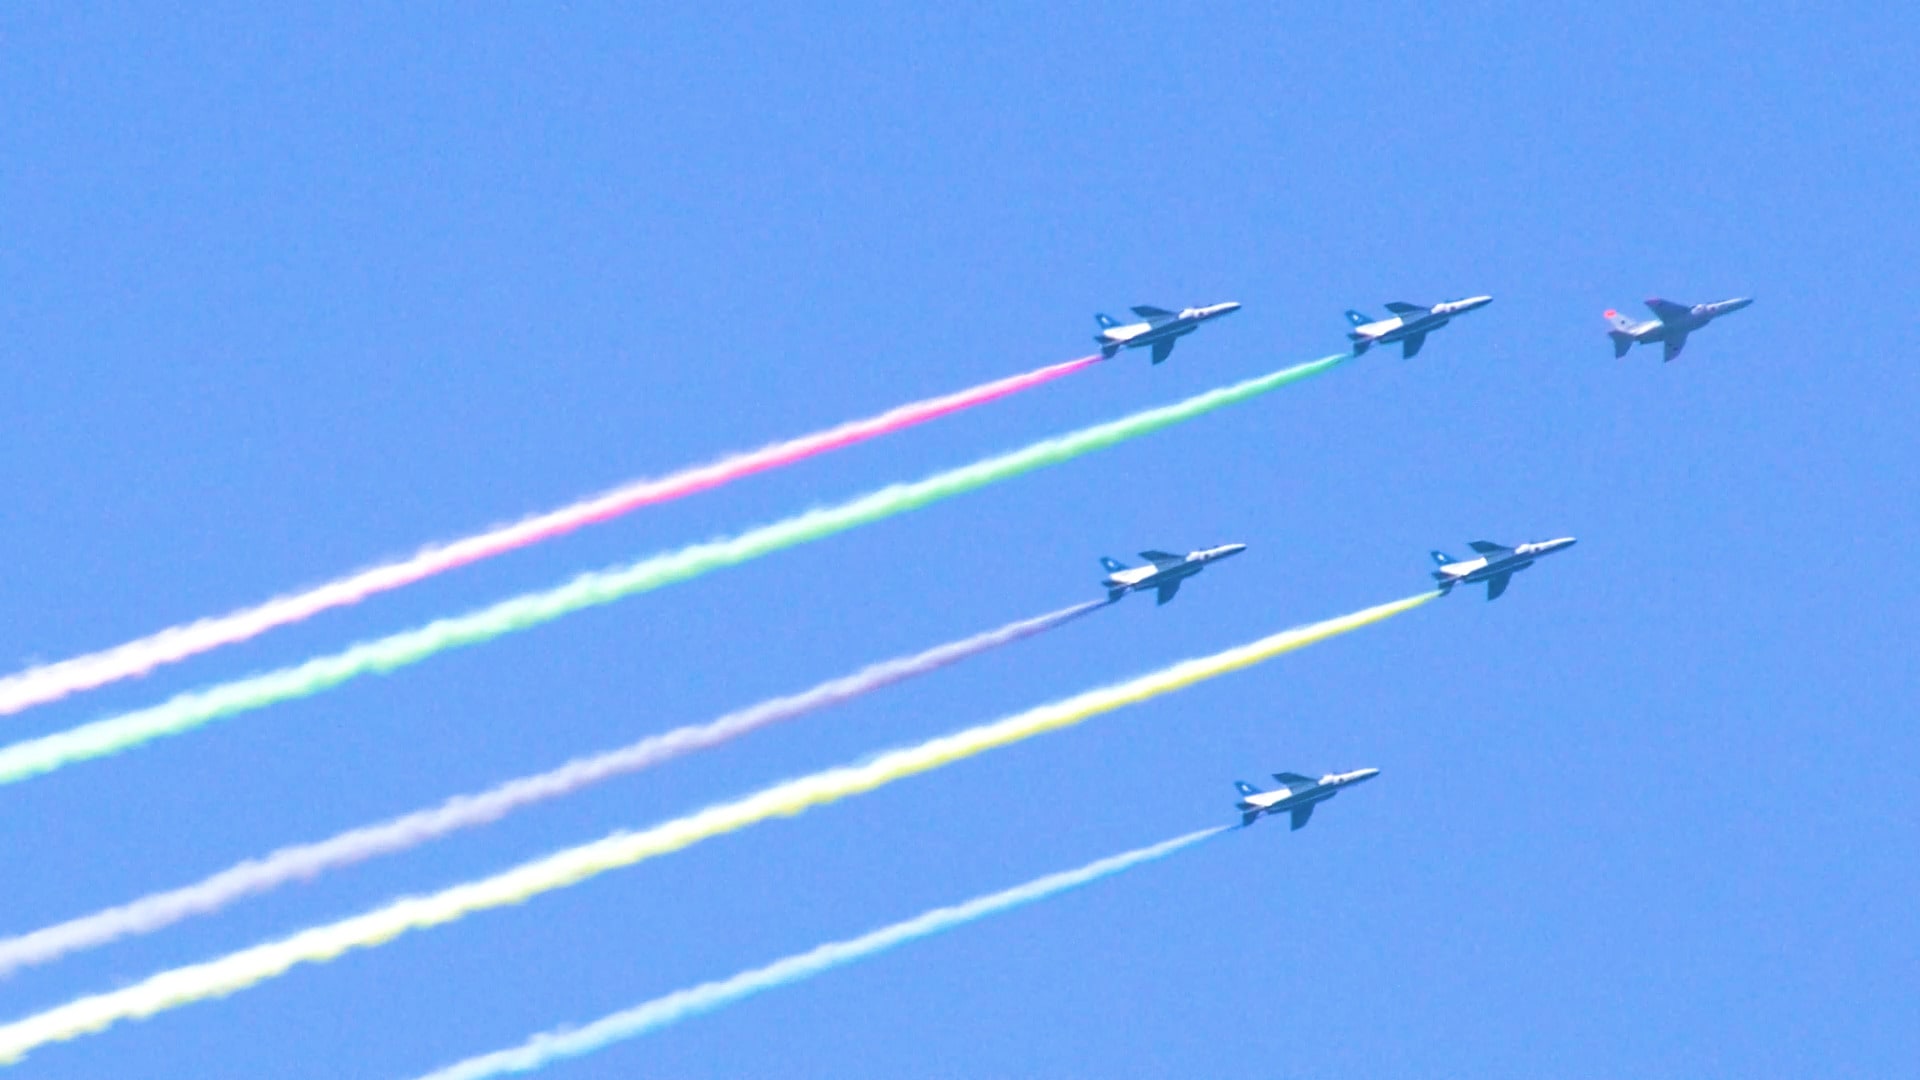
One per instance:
[(1610, 314)]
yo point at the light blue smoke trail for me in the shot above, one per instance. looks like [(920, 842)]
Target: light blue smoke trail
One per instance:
[(644, 1019)]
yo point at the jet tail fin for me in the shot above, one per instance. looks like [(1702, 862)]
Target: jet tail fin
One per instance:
[(1111, 565), (1107, 322), (1354, 318), (1441, 558), (1245, 788), (1619, 327)]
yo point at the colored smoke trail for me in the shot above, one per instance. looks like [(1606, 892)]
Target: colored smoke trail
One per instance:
[(645, 1019), (197, 708), (50, 682), (249, 967), (158, 910)]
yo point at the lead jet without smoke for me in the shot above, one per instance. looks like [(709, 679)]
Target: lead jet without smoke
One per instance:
[(1496, 565), (1166, 573), (1298, 797), (1159, 330), (1409, 323), (1671, 324)]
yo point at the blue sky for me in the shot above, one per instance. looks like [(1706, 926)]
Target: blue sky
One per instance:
[(284, 294)]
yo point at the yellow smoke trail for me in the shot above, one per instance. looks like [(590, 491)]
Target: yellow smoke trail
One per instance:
[(239, 970)]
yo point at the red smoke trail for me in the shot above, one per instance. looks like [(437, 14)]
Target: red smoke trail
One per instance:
[(50, 682)]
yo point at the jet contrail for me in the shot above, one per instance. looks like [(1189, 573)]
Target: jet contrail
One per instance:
[(647, 1018), (196, 708), (248, 967), (158, 910), (50, 682)]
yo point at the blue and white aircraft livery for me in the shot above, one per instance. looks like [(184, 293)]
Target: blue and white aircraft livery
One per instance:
[(1298, 795), (1409, 324), (1496, 564), (1159, 330), (1671, 323), (1165, 573)]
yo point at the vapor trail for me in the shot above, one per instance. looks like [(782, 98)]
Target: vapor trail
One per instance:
[(248, 967), (194, 709), (158, 910), (647, 1018), (50, 682)]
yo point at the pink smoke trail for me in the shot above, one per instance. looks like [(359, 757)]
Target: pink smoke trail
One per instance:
[(157, 910), (51, 682)]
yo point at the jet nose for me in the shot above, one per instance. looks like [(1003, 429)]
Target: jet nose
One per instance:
[(1227, 308), (1226, 550), (1736, 305), (1561, 544), (1362, 774), (1472, 302)]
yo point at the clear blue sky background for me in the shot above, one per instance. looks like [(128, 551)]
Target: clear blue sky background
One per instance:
[(283, 294)]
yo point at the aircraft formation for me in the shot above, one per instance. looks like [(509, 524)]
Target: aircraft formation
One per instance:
[(1408, 325), (1163, 574)]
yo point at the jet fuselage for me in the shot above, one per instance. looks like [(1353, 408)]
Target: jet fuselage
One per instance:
[(1164, 571), (1671, 327), (1494, 564), (1158, 329), (1409, 323), (1297, 797)]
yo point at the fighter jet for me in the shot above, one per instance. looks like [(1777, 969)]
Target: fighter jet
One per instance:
[(1410, 323), (1496, 565), (1671, 324), (1166, 573), (1298, 797), (1159, 330)]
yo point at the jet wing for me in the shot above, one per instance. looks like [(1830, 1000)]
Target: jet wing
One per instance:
[(1488, 547), (1162, 350), (1497, 584), (1167, 590), (1667, 311), (1162, 559), (1412, 343), (1401, 307), (1152, 313), (1291, 778), (1675, 342), (1301, 814)]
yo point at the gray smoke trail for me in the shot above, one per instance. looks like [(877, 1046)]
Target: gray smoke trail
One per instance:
[(157, 910)]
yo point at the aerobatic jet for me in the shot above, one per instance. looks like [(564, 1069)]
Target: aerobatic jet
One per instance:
[(1496, 565), (1409, 324), (1166, 572), (1160, 328), (1671, 323), (1298, 797)]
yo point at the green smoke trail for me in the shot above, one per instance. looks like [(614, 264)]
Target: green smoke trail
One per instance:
[(187, 711)]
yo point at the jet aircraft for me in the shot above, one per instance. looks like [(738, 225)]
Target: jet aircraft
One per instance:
[(1298, 797), (1496, 564), (1166, 573), (1409, 323), (1671, 324), (1160, 328)]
